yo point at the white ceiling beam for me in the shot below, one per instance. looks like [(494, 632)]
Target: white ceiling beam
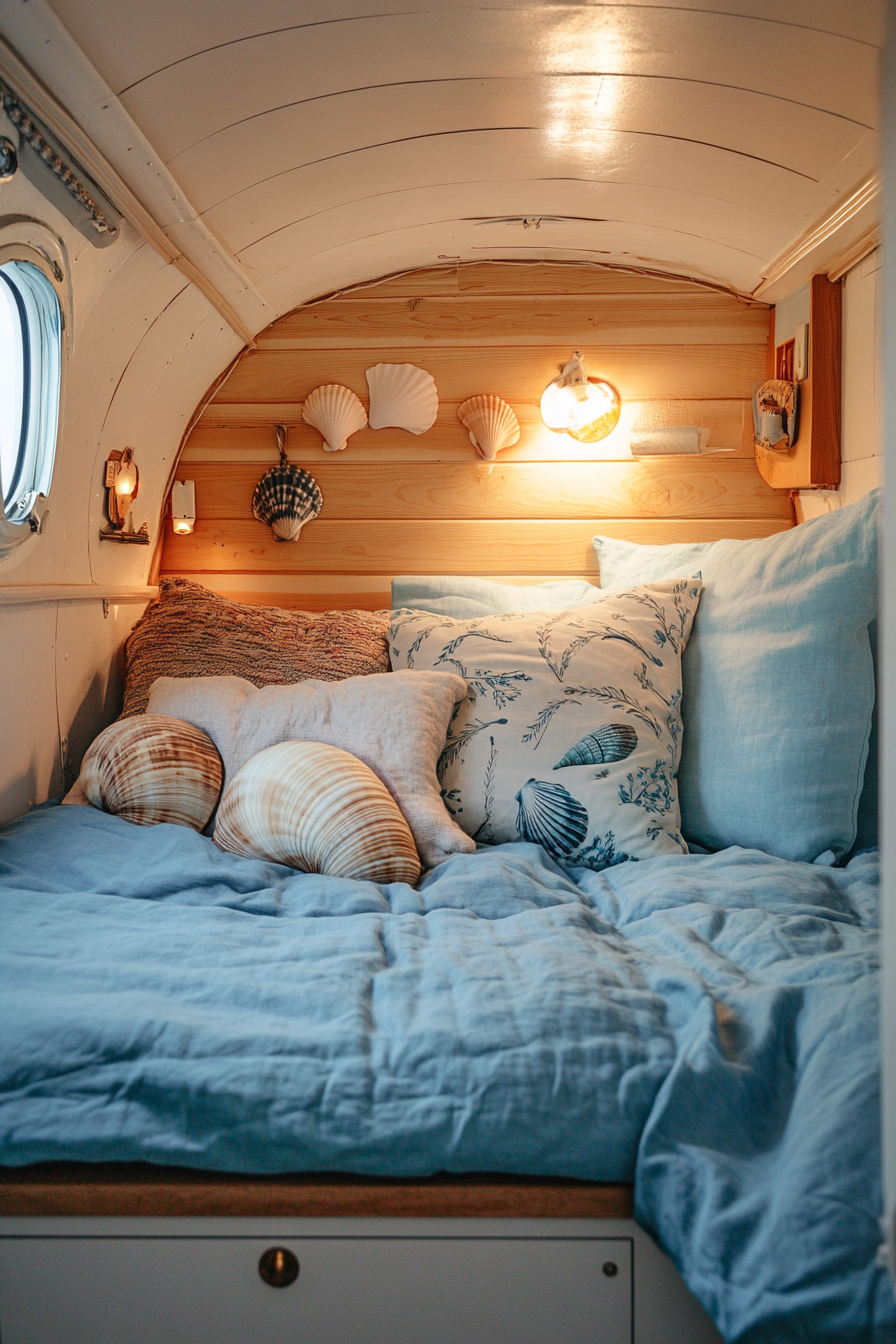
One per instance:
[(43, 65), (839, 234)]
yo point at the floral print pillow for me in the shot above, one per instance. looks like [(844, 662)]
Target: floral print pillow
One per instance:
[(570, 734)]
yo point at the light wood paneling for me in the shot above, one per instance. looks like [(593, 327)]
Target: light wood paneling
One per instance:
[(366, 490), (626, 319), (496, 277), (401, 503), (434, 546), (244, 431), (643, 371)]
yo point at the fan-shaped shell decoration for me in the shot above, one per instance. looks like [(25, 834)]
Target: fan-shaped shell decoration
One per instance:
[(549, 816), (287, 497), (491, 423), (336, 412), (152, 768), (319, 809), (403, 396), (613, 742)]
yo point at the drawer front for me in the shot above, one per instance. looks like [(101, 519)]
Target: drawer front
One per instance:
[(144, 1290)]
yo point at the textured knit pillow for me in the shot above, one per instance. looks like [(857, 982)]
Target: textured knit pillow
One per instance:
[(191, 632), (395, 724), (570, 732), (153, 769), (319, 809), (778, 680)]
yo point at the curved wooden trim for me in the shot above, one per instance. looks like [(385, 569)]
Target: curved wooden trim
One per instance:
[(73, 1189)]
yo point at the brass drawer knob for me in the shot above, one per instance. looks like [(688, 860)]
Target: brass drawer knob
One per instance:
[(278, 1267)]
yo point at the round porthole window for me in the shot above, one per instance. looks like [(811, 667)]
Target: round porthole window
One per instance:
[(30, 368)]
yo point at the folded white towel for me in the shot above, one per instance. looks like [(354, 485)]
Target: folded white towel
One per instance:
[(669, 439)]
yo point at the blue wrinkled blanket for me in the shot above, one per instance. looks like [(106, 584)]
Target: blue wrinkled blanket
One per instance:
[(704, 1024)]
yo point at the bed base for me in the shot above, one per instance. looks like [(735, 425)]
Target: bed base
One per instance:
[(102, 1254)]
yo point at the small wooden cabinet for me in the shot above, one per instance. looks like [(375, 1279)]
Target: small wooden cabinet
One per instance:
[(350, 1290)]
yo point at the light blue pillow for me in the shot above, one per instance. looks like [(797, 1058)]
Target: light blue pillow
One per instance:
[(778, 680), (465, 598)]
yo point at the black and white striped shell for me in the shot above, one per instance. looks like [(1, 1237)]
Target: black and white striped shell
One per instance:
[(612, 742), (286, 498), (549, 816)]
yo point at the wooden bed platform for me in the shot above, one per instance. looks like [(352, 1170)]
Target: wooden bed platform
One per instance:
[(74, 1189)]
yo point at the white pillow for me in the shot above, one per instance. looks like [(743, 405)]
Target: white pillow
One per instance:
[(396, 725), (570, 734)]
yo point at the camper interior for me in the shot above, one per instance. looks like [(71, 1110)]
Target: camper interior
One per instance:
[(440, 466)]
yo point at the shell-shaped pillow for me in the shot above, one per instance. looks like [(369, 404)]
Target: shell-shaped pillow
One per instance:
[(151, 769), (319, 809)]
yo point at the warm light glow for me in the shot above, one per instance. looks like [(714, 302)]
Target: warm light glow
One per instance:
[(585, 408), (126, 479), (182, 526), (183, 507)]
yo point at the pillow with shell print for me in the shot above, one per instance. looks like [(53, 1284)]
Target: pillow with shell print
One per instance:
[(570, 734)]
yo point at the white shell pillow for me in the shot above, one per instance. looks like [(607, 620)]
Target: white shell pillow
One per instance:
[(570, 735)]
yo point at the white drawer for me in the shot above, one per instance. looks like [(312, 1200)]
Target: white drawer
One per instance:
[(363, 1290)]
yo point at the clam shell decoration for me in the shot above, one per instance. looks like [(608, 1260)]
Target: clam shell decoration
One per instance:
[(319, 809), (613, 742), (336, 412), (491, 423), (549, 816), (286, 497), (402, 396), (150, 769)]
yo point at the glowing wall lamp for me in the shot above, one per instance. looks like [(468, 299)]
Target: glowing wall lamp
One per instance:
[(122, 481), (183, 506), (585, 408)]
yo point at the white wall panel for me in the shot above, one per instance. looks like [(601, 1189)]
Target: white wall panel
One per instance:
[(30, 768)]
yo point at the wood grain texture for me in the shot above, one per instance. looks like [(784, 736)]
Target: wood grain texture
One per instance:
[(433, 546), (627, 319), (644, 371), (709, 488), (122, 1190), (229, 429), (514, 277)]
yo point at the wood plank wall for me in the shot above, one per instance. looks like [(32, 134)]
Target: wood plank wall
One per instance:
[(396, 503)]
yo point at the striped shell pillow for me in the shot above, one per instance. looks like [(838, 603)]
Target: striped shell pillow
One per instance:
[(192, 632)]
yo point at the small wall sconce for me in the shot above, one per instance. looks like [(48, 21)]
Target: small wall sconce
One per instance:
[(585, 408), (122, 482), (183, 507)]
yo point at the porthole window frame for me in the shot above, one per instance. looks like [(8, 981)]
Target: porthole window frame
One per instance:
[(30, 241)]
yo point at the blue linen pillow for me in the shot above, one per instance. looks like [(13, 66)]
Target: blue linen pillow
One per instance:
[(778, 680), (466, 598)]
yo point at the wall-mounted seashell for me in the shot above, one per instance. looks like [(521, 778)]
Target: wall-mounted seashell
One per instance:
[(319, 809), (286, 497), (613, 742), (336, 412), (549, 816), (491, 423), (402, 396), (150, 769)]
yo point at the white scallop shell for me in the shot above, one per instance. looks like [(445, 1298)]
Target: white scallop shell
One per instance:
[(491, 423), (319, 809), (403, 396), (337, 412), (151, 768)]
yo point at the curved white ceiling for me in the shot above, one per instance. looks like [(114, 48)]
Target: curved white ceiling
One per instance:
[(323, 142)]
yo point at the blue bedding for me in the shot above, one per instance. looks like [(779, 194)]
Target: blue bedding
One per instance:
[(704, 1025)]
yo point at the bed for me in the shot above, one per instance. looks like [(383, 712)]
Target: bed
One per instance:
[(683, 1045)]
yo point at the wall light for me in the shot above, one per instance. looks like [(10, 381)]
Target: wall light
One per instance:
[(585, 408), (122, 481), (183, 506)]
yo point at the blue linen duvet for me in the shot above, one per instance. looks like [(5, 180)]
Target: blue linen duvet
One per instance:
[(704, 1025)]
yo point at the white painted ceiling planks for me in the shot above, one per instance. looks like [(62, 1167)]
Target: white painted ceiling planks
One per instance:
[(323, 143)]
